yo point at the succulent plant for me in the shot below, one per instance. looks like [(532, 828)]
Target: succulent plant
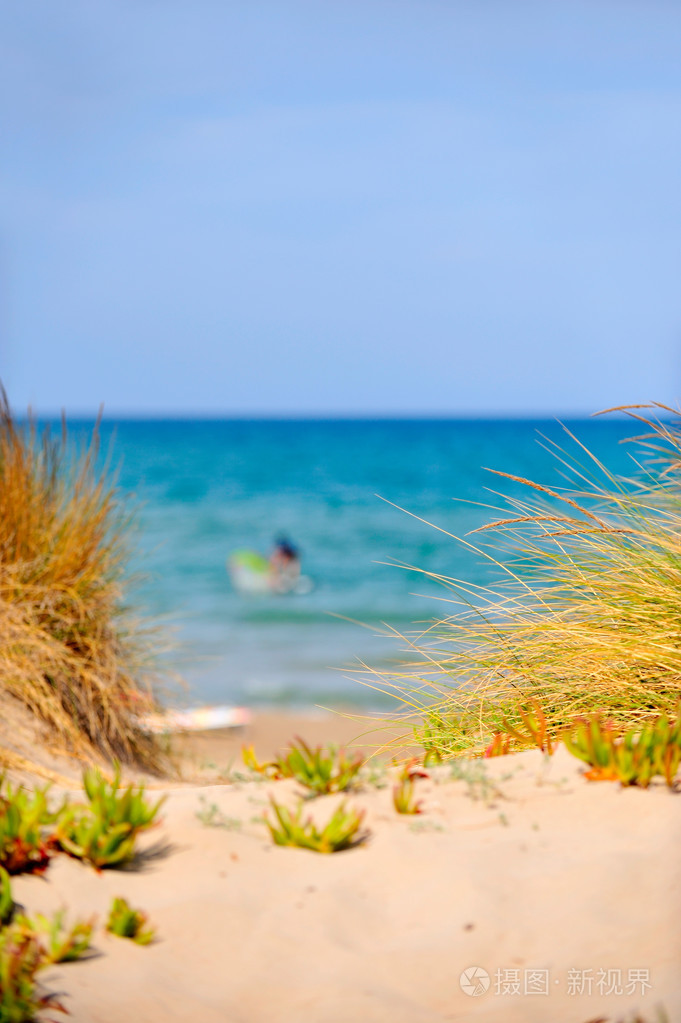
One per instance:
[(126, 922), (319, 770), (499, 746), (403, 791), (60, 944), (104, 831), (268, 768), (536, 731), (22, 956), (403, 797), (341, 831), (632, 757), (24, 819)]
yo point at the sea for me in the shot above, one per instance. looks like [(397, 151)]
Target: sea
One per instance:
[(378, 508)]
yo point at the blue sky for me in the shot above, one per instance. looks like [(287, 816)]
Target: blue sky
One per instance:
[(340, 207)]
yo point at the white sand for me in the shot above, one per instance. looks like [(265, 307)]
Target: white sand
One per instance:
[(555, 874)]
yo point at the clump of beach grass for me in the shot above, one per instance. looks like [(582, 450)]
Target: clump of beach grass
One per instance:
[(585, 618), (70, 649)]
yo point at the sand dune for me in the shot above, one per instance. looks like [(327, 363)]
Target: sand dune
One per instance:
[(527, 867)]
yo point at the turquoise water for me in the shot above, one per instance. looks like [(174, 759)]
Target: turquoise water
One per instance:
[(204, 488)]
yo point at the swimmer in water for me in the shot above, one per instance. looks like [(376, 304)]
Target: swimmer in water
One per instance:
[(284, 565)]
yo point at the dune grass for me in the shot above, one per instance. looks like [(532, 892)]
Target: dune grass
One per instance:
[(70, 650), (586, 616)]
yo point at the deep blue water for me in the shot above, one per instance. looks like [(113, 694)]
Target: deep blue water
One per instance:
[(204, 487)]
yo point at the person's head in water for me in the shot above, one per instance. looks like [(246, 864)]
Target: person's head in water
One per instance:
[(285, 551), (284, 564)]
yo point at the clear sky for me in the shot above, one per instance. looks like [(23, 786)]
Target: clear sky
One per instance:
[(340, 206)]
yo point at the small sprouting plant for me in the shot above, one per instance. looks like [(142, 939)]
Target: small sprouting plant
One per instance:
[(536, 730), (211, 816), (266, 769), (403, 792), (22, 956), (633, 757), (499, 746), (474, 774), (321, 771), (235, 776), (24, 815), (403, 797), (421, 826), (126, 922), (104, 831), (341, 831), (60, 944)]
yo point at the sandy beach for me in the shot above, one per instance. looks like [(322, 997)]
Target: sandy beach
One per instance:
[(518, 867), (210, 754)]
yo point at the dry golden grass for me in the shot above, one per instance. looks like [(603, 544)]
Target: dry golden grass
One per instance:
[(69, 649), (586, 616)]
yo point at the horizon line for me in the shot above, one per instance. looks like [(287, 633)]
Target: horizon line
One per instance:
[(281, 416)]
